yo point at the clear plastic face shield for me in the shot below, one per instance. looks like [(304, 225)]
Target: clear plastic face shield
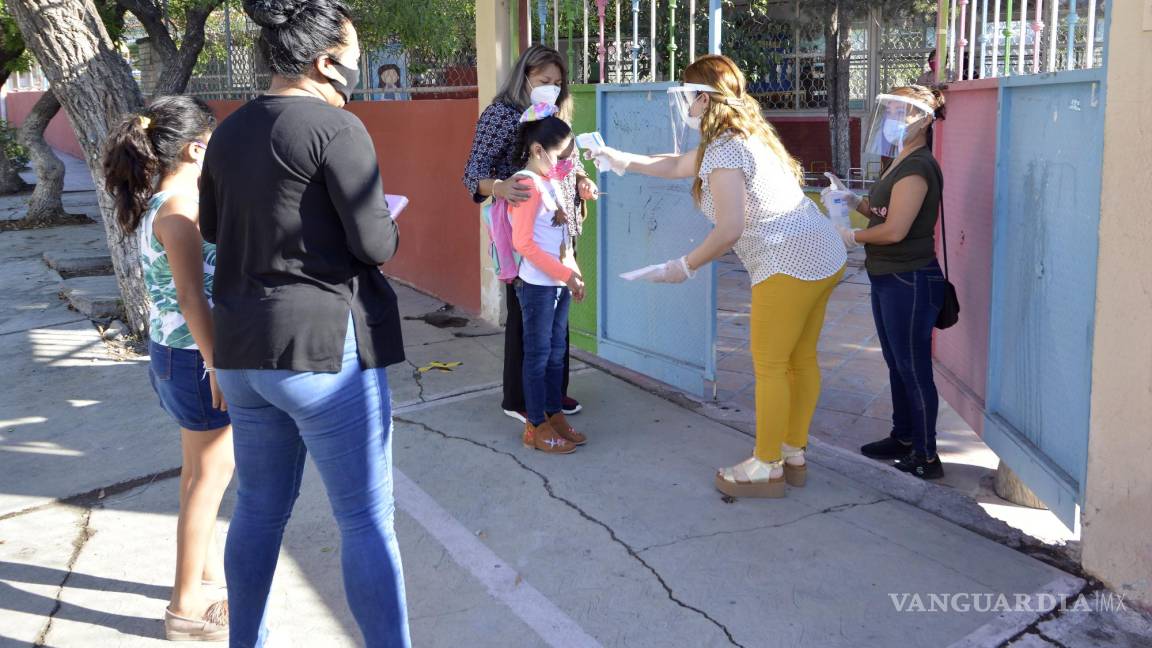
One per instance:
[(896, 120), (685, 109)]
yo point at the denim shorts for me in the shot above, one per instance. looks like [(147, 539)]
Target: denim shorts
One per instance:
[(179, 380)]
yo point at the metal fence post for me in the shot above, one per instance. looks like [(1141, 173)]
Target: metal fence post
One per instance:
[(228, 45), (715, 23)]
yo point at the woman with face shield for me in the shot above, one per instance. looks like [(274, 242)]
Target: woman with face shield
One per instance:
[(539, 76), (748, 184), (908, 286)]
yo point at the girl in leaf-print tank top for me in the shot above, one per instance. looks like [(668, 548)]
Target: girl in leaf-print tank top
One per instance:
[(152, 169)]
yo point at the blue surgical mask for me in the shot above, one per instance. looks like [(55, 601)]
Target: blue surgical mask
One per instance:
[(894, 131)]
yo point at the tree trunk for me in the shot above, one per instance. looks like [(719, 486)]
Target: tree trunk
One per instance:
[(95, 85), (838, 76), (47, 202), (10, 180), (176, 62), (178, 69)]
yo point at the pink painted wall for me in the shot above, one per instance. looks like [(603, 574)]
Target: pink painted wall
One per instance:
[(59, 133), (966, 148)]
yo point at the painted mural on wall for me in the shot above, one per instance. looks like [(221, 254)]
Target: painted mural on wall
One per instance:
[(389, 74)]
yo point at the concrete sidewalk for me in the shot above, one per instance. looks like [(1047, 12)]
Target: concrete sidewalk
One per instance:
[(624, 543)]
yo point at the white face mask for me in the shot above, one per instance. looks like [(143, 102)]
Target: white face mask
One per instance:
[(694, 122), (548, 94), (894, 131)]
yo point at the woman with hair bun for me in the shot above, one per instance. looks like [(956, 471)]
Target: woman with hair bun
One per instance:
[(152, 162), (305, 321)]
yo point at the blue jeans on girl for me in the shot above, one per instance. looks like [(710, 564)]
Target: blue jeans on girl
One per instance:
[(345, 420), (545, 316), (905, 306)]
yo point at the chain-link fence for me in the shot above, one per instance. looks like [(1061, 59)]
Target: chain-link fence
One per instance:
[(230, 67), (780, 46)]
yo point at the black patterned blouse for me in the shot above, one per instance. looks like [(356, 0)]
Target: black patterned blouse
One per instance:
[(493, 152)]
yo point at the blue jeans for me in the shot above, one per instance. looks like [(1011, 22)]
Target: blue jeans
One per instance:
[(905, 306), (545, 316), (345, 420)]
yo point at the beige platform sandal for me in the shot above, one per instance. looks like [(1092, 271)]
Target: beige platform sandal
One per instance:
[(752, 478), (795, 466), (212, 626)]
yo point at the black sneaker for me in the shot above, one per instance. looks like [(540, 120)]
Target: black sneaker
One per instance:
[(889, 448), (920, 466)]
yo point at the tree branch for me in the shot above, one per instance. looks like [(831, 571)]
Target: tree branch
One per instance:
[(151, 16), (178, 67)]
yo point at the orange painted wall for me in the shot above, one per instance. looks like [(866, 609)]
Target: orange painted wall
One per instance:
[(423, 147), (59, 134)]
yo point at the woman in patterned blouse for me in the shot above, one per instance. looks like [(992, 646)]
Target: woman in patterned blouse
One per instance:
[(539, 75)]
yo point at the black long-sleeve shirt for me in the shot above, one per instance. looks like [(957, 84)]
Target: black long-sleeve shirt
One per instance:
[(291, 195)]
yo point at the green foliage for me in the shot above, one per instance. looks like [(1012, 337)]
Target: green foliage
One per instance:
[(13, 56), (10, 142), (432, 28)]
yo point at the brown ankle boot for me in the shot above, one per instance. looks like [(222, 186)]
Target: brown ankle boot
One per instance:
[(560, 424), (545, 439)]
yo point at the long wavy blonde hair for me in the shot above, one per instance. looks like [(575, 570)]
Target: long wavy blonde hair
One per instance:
[(732, 110)]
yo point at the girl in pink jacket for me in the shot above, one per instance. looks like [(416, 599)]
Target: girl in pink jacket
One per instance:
[(547, 278)]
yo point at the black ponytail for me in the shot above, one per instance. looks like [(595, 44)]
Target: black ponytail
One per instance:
[(548, 132), (147, 146)]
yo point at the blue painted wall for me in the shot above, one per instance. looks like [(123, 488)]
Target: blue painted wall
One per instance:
[(665, 331), (1049, 161)]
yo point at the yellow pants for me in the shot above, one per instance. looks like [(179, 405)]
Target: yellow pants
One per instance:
[(787, 315)]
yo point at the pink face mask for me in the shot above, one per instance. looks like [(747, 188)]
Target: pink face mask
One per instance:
[(561, 169)]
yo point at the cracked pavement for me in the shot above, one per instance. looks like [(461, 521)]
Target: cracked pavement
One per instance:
[(624, 543)]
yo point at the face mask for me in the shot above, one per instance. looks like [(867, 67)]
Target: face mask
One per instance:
[(560, 169), (694, 122), (548, 94), (894, 131), (345, 88)]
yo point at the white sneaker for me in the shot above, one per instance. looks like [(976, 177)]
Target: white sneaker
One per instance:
[(519, 416)]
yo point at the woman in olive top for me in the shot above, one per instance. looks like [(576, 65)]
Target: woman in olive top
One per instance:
[(305, 321), (908, 286)]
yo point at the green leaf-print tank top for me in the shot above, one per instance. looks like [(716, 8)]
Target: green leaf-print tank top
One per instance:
[(167, 325)]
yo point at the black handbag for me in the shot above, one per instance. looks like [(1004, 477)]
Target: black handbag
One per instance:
[(950, 310)]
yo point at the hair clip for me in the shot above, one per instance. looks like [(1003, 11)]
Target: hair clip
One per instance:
[(144, 122), (539, 111)]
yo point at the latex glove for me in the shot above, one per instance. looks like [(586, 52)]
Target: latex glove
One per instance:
[(837, 189), (674, 271), (609, 158), (849, 236)]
